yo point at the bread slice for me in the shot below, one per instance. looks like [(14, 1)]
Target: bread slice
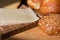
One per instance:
[(13, 21)]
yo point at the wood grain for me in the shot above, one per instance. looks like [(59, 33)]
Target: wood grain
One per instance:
[(10, 30), (33, 34)]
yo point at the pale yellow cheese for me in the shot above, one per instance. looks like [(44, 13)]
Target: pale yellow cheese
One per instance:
[(17, 16)]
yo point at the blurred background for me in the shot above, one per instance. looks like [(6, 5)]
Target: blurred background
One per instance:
[(9, 3), (32, 34)]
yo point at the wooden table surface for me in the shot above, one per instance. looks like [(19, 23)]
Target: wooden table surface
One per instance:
[(33, 34)]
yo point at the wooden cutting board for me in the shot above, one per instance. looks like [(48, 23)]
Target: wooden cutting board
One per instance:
[(11, 30), (33, 34)]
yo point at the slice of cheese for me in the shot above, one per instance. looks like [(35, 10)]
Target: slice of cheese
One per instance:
[(17, 16)]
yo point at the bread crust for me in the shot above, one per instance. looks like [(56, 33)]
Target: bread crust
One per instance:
[(50, 6), (50, 23)]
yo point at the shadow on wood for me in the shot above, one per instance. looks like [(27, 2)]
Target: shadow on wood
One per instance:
[(7, 2)]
